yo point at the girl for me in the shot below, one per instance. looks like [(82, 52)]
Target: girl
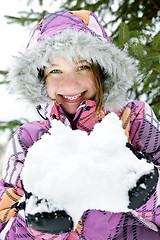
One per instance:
[(76, 75)]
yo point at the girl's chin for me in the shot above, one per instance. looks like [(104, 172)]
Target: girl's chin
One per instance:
[(70, 108)]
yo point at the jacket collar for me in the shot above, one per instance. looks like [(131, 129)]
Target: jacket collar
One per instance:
[(85, 117)]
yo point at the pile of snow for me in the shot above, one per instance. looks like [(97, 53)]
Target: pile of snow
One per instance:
[(76, 172)]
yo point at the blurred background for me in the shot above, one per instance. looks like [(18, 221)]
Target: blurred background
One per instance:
[(133, 25)]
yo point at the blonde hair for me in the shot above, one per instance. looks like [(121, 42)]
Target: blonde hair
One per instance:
[(97, 72)]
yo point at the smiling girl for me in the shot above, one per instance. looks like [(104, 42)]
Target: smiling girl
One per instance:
[(74, 74)]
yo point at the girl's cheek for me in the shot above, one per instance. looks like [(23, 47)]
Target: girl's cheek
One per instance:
[(50, 87)]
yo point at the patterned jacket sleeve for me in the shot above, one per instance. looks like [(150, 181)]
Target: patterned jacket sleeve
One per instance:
[(12, 223), (145, 130), (145, 136)]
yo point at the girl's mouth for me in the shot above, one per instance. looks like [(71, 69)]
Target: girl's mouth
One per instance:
[(72, 98)]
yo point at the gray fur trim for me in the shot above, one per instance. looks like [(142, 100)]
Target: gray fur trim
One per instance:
[(119, 67)]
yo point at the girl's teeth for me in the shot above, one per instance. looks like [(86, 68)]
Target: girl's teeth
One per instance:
[(74, 97)]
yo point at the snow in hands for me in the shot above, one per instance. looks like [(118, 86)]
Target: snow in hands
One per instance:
[(76, 172)]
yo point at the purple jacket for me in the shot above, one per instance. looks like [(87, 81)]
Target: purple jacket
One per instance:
[(144, 134), (79, 35)]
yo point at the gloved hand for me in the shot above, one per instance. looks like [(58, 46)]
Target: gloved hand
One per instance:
[(54, 222), (50, 222), (145, 186)]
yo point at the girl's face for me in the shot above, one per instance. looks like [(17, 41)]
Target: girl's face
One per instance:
[(70, 83)]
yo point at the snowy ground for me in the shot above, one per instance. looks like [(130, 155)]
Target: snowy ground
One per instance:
[(84, 172)]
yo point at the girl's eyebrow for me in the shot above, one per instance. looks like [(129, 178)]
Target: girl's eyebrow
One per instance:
[(83, 62), (55, 65)]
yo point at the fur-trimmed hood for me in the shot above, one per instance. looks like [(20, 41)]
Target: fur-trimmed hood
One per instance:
[(72, 35)]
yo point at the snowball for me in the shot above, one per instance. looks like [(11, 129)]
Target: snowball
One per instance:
[(76, 172)]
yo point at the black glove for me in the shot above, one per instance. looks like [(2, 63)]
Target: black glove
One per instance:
[(145, 186), (54, 223), (46, 222)]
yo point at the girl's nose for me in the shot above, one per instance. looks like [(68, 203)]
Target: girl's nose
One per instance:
[(70, 82)]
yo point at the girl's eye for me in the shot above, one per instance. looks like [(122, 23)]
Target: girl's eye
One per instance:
[(55, 71), (84, 67)]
